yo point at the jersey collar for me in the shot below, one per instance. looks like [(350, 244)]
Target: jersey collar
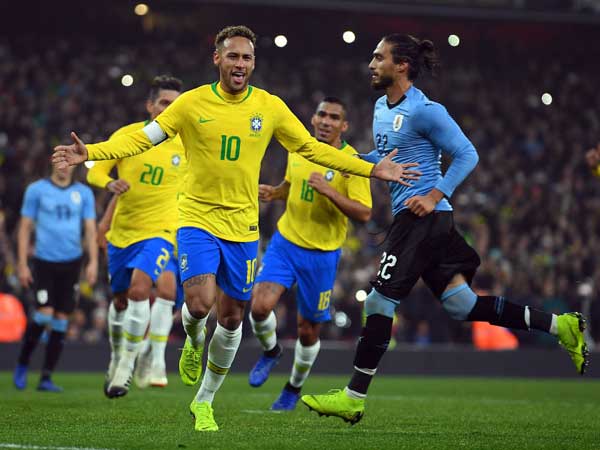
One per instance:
[(230, 98)]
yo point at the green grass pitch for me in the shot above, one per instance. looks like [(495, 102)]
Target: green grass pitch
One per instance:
[(401, 413)]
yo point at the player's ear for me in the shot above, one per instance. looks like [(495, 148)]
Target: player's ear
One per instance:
[(216, 58), (402, 67), (313, 120), (344, 126), (149, 106)]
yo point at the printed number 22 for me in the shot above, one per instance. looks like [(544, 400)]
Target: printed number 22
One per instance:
[(386, 262)]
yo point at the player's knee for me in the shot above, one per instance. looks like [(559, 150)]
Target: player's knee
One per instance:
[(138, 292), (230, 322), (377, 303), (120, 301), (308, 333), (165, 293), (459, 301)]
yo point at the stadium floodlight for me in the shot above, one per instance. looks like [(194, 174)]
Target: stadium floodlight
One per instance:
[(349, 37), (361, 295), (280, 41), (141, 9), (341, 319), (546, 99), (127, 80), (89, 164), (453, 40)]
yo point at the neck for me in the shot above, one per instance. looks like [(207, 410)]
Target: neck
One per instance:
[(397, 90), (59, 182), (337, 143)]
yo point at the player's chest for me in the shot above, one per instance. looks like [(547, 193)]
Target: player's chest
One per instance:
[(229, 126), (156, 167), (393, 129), (300, 171), (62, 205)]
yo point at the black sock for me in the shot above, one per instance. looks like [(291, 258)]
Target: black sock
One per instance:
[(53, 351), (30, 340), (372, 344), (539, 320), (274, 352), (294, 389), (498, 311)]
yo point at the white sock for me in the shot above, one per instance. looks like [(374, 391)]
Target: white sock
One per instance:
[(135, 325), (194, 328), (554, 325), (353, 394), (161, 321), (265, 331), (115, 331), (304, 358), (221, 351)]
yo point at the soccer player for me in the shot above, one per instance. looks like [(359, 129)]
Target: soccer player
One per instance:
[(57, 208), (592, 157), (305, 250), (422, 241), (225, 128), (141, 239)]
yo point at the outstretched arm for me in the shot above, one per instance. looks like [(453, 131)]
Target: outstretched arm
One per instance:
[(294, 137)]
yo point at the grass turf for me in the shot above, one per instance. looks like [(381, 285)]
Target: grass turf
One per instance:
[(410, 413)]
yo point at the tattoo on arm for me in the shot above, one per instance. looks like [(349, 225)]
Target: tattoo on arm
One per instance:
[(198, 280)]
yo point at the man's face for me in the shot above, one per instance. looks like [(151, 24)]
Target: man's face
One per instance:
[(235, 60), (164, 98), (63, 175), (329, 122), (383, 70)]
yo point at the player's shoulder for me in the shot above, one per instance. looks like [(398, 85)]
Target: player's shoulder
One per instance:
[(130, 128), (421, 104), (83, 188), (39, 185), (347, 148)]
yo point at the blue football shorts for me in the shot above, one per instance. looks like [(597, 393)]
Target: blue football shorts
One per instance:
[(151, 256), (313, 271), (233, 263)]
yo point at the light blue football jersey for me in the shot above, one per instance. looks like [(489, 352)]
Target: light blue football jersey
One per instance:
[(58, 213)]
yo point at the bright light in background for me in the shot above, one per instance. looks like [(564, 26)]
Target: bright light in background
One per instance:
[(127, 80), (141, 9), (349, 37), (453, 40), (280, 41), (89, 164), (341, 319), (361, 295), (546, 99)]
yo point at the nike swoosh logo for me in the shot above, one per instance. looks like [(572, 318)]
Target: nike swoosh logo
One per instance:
[(244, 290), (201, 120)]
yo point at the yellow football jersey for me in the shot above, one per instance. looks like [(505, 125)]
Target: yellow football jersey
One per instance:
[(310, 219), (149, 208), (225, 137)]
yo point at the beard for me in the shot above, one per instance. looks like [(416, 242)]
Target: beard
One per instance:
[(382, 83)]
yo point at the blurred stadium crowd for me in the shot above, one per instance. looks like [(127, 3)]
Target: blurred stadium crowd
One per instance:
[(531, 208)]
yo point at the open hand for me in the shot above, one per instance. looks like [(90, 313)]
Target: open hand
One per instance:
[(70, 155), (388, 170)]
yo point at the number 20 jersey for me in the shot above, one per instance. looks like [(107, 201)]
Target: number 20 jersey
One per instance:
[(149, 208)]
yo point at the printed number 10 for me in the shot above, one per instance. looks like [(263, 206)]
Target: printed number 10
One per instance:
[(230, 147)]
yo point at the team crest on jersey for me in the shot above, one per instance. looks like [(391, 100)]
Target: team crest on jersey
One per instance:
[(329, 175), (398, 122), (183, 262), (76, 197), (176, 160), (256, 123)]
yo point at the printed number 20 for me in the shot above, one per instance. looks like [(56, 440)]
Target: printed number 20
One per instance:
[(386, 262)]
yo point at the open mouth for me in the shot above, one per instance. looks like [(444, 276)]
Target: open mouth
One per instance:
[(238, 77)]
